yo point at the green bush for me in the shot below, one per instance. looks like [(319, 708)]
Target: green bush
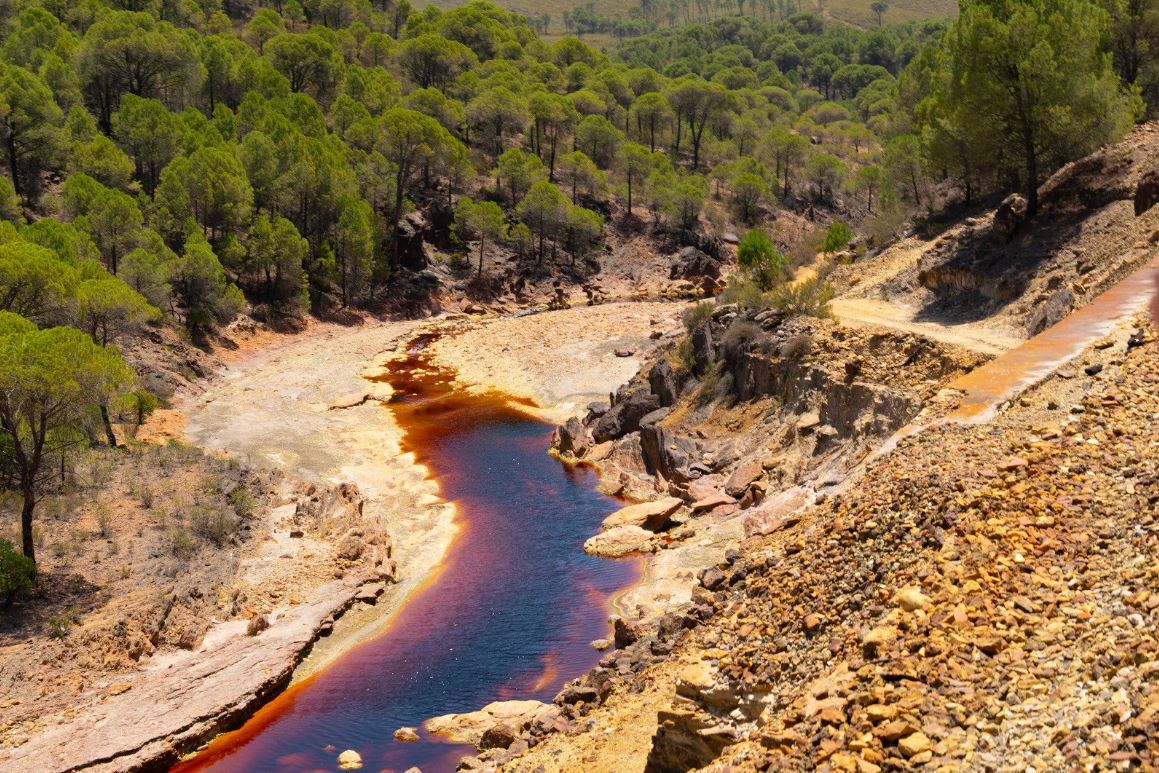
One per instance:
[(60, 625), (17, 573), (761, 262), (838, 238), (811, 297), (243, 501)]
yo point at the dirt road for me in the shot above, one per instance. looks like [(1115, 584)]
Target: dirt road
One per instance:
[(865, 312)]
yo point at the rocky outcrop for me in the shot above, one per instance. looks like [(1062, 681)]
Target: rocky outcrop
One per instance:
[(1147, 192), (496, 725), (628, 407), (169, 708)]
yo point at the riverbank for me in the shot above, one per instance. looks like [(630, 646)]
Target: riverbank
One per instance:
[(303, 406)]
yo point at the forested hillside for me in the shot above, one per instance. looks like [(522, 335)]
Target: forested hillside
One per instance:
[(176, 163)]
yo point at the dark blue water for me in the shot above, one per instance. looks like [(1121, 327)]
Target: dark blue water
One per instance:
[(510, 614)]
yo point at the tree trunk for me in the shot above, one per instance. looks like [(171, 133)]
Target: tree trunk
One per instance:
[(481, 242), (629, 196), (13, 161), (1031, 171), (108, 424), (26, 523)]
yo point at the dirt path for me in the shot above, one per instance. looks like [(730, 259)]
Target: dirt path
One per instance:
[(865, 312)]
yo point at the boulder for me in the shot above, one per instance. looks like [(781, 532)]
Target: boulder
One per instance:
[(744, 476), (1147, 192), (1048, 314), (472, 726), (647, 515), (776, 513), (498, 736), (1009, 218), (349, 760), (692, 263), (571, 438), (703, 353), (619, 541), (409, 237), (406, 735), (662, 381), (624, 417)]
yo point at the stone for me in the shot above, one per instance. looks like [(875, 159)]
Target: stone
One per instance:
[(369, 593), (663, 383), (712, 501), (647, 515), (256, 625), (624, 417), (712, 578), (742, 477), (808, 422), (471, 727), (406, 734), (619, 541), (1009, 217), (600, 644), (912, 599), (571, 438), (1094, 369), (498, 736), (1147, 192), (349, 760), (625, 352), (914, 744)]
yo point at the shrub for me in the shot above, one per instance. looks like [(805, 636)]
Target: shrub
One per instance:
[(683, 359), (811, 297), (697, 314), (213, 524), (744, 293), (838, 238), (761, 262), (182, 545), (104, 516), (17, 573), (739, 336), (59, 625), (243, 501), (797, 347)]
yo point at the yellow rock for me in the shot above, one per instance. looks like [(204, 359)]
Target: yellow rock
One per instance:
[(912, 599), (349, 760)]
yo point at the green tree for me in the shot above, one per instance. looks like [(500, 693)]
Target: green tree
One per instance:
[(1034, 73), (481, 220), (544, 210), (50, 383), (30, 126), (353, 243), (554, 116), (126, 52), (434, 61), (868, 179), (517, 171), (309, 62), (498, 112), (275, 253), (17, 574), (761, 261), (879, 7), (596, 137), (200, 283), (150, 134), (33, 283), (637, 164), (698, 103), (579, 172), (651, 114), (111, 217)]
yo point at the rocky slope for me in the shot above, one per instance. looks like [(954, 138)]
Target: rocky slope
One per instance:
[(1096, 223), (980, 598)]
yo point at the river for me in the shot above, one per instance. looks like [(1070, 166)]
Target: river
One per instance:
[(509, 613)]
